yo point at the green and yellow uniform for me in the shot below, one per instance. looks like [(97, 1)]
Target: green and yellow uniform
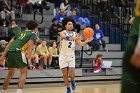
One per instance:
[(16, 55), (131, 75)]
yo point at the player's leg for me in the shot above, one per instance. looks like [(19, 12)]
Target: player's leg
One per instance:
[(8, 78), (71, 72), (12, 67), (66, 80), (21, 82), (63, 64)]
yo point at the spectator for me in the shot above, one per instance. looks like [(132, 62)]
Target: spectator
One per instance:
[(13, 30), (35, 58), (44, 54), (98, 62), (76, 18), (60, 16), (99, 38), (21, 4), (2, 47), (35, 4), (65, 5), (45, 5), (55, 28), (2, 31), (53, 51), (6, 11)]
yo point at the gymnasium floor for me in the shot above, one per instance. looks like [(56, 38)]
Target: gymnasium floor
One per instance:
[(82, 87)]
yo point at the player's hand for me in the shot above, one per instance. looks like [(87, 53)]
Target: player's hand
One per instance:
[(2, 58), (30, 66), (89, 39), (135, 59), (75, 38), (78, 38)]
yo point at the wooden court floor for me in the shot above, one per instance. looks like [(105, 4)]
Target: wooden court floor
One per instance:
[(82, 87)]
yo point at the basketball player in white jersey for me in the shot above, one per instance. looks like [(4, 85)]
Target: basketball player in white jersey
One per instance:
[(67, 52)]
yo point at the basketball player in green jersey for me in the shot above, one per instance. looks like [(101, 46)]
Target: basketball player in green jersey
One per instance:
[(15, 52), (131, 60)]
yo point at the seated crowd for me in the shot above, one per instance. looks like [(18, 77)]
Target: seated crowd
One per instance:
[(43, 55)]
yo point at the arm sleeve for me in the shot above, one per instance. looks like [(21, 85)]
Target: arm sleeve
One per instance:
[(102, 34), (33, 37)]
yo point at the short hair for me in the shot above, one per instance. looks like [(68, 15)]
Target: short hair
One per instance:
[(99, 55), (66, 20), (14, 20), (54, 19), (32, 24)]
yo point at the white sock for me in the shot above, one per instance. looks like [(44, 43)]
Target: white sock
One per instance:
[(19, 91), (3, 91)]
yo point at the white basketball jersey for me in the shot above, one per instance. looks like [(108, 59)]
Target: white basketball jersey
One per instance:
[(67, 47)]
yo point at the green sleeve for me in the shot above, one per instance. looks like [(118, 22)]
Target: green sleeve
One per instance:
[(33, 37)]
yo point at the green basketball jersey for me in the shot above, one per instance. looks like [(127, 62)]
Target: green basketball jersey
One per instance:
[(22, 39)]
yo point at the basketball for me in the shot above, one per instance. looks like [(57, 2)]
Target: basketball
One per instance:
[(88, 32)]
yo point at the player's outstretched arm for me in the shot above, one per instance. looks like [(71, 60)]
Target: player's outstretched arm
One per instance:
[(85, 42), (29, 52)]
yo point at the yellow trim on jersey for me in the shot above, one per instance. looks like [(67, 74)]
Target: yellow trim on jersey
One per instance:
[(138, 8), (24, 48)]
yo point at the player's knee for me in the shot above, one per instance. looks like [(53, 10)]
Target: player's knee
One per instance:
[(65, 75), (71, 75), (11, 74)]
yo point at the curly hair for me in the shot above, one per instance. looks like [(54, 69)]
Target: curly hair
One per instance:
[(32, 24), (66, 20)]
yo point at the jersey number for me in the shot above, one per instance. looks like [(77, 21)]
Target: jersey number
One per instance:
[(22, 36), (69, 45)]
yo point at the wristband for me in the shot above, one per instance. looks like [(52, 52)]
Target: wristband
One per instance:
[(67, 37)]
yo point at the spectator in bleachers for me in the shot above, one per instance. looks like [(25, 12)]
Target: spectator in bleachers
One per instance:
[(53, 51), (13, 30), (99, 38), (76, 18), (44, 54), (68, 13), (35, 4), (65, 5), (98, 62), (6, 11), (21, 4), (55, 28), (60, 16), (35, 58), (3, 31), (45, 4), (2, 47)]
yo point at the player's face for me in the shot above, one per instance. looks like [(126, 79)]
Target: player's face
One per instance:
[(69, 26)]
